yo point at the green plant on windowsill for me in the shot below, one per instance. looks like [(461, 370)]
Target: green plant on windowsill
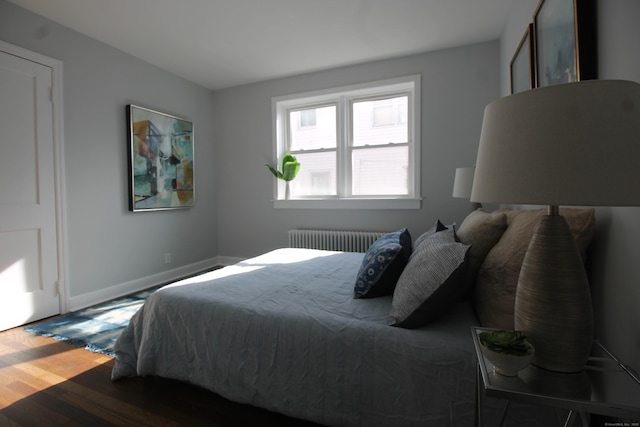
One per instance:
[(290, 169)]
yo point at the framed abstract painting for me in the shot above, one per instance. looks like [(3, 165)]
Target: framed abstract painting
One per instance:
[(565, 41), (160, 160)]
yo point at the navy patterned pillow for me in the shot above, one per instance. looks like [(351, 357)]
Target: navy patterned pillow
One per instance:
[(382, 265)]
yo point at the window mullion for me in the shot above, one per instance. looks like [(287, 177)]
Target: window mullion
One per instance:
[(413, 112), (286, 146), (344, 153)]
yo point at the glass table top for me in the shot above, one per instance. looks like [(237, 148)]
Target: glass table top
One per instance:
[(606, 387)]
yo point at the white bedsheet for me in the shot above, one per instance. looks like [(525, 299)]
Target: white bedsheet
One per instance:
[(282, 331)]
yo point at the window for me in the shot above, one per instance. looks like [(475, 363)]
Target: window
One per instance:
[(358, 146), (307, 118)]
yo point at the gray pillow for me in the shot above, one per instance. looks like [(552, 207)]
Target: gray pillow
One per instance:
[(437, 227), (434, 279)]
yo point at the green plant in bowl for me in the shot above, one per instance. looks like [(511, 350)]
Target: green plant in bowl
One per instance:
[(508, 351), (509, 342)]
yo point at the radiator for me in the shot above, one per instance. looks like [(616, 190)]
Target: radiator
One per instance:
[(333, 240)]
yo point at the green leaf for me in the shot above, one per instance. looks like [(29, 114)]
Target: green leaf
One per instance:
[(288, 158), (275, 172), (290, 168)]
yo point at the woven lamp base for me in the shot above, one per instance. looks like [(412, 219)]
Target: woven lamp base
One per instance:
[(553, 299)]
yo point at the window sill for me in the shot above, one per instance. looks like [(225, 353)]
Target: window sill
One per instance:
[(347, 204)]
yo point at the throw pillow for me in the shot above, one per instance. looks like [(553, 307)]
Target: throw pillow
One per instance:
[(432, 282), (482, 231), (494, 295), (438, 226), (382, 265)]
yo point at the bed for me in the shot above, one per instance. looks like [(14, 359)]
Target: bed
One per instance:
[(283, 331)]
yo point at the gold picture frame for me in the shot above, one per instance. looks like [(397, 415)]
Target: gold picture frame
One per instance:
[(522, 69), (565, 41)]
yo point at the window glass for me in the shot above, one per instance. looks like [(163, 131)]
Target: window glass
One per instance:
[(318, 175), (380, 171), (380, 121), (312, 128), (307, 118)]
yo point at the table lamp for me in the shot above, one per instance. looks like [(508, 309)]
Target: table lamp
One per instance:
[(571, 144), (463, 183)]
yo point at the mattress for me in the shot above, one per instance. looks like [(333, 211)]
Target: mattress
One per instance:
[(282, 331)]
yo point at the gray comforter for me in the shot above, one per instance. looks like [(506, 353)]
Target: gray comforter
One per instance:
[(282, 331)]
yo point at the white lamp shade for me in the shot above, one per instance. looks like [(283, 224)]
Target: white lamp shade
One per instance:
[(463, 182), (571, 144)]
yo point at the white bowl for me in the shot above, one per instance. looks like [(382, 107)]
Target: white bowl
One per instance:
[(508, 364)]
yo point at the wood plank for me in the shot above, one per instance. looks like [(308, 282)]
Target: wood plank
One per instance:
[(47, 382), (35, 410), (7, 422)]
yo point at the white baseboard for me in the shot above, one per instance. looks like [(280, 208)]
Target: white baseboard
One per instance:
[(228, 260), (86, 300)]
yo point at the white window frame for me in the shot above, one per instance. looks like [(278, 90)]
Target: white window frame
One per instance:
[(343, 97)]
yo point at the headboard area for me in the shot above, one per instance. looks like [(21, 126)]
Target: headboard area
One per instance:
[(498, 265)]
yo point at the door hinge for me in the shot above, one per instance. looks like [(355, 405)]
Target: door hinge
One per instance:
[(58, 288)]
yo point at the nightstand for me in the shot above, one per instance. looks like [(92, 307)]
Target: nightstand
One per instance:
[(607, 387)]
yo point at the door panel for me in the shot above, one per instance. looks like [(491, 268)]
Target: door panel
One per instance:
[(28, 241)]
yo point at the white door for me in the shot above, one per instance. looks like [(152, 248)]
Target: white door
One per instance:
[(28, 241)]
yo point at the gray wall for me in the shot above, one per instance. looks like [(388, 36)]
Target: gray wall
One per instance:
[(109, 248), (456, 85), (234, 216), (614, 266), (111, 251)]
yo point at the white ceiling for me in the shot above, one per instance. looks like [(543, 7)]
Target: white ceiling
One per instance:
[(224, 43)]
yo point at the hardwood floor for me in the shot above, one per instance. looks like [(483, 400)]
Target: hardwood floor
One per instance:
[(44, 382)]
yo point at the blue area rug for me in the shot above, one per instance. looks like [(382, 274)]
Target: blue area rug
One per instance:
[(95, 328)]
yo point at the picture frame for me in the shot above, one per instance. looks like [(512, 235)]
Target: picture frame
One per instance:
[(522, 69), (161, 160), (565, 41)]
